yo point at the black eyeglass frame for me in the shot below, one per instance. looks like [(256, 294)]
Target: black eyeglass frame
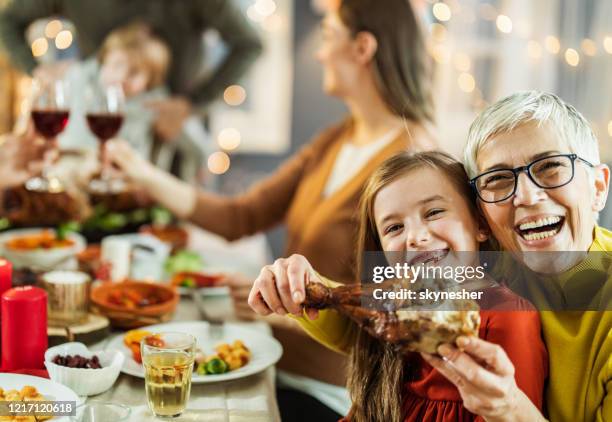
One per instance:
[(527, 169)]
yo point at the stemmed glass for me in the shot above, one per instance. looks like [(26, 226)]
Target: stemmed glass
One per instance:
[(50, 111), (105, 105)]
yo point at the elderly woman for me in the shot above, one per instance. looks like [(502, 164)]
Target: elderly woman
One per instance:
[(512, 148), (535, 166)]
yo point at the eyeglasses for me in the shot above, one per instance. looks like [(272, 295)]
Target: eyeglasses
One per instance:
[(547, 173)]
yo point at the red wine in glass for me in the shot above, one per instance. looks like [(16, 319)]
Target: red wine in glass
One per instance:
[(104, 125), (50, 123)]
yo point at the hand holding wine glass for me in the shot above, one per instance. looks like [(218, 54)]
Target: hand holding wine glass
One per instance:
[(105, 104), (50, 112)]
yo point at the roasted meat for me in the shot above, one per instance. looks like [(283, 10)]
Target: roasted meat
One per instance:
[(401, 324), (26, 208)]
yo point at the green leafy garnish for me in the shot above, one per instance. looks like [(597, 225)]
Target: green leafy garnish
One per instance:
[(63, 230), (160, 216), (188, 282), (112, 221), (183, 261), (4, 223)]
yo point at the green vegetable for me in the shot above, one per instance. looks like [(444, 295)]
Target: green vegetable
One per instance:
[(112, 221), (140, 215), (188, 282), (201, 369), (160, 216), (64, 229), (183, 261), (4, 223), (216, 366)]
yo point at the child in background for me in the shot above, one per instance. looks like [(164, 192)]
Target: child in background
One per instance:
[(415, 204), (136, 59)]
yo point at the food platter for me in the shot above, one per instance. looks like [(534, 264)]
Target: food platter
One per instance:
[(265, 350), (52, 391)]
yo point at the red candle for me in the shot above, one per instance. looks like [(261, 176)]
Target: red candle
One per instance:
[(24, 328), (6, 275)]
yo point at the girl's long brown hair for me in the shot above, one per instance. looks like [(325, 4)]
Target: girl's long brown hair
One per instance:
[(402, 67), (377, 373)]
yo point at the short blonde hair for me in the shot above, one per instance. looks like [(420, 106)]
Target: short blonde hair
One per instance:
[(531, 106), (140, 42)]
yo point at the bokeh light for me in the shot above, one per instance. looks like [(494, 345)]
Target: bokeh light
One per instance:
[(234, 95), (229, 138), (218, 162), (39, 47), (63, 39), (442, 12), (53, 28)]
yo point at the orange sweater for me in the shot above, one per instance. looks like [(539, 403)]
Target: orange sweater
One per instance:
[(323, 229)]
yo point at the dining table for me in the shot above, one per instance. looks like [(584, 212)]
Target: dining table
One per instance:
[(252, 398)]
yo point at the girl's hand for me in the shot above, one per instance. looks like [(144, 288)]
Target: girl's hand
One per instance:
[(123, 156), (281, 288), (484, 376)]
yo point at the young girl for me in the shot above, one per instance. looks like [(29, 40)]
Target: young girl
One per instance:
[(412, 203)]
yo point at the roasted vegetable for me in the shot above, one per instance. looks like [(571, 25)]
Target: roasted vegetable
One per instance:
[(215, 366)]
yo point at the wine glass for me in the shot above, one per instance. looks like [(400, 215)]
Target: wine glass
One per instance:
[(50, 111), (105, 105)]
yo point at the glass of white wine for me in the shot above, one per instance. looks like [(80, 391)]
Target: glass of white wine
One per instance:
[(168, 364)]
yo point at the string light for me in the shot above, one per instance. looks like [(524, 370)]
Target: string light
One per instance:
[(607, 43), (39, 47), (534, 49), (442, 12), (466, 82), (53, 28), (572, 57), (552, 44), (63, 39), (218, 162), (265, 7), (504, 24), (234, 95), (588, 47), (229, 138)]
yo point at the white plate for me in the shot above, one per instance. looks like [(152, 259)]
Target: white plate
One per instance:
[(52, 391), (265, 350)]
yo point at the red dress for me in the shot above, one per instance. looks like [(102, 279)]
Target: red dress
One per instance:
[(507, 320)]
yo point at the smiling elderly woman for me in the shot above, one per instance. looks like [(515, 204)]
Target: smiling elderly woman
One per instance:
[(534, 162)]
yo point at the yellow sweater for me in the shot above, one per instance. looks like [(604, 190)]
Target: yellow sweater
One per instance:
[(580, 352), (579, 346)]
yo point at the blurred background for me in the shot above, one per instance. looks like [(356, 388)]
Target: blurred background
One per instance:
[(484, 50)]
